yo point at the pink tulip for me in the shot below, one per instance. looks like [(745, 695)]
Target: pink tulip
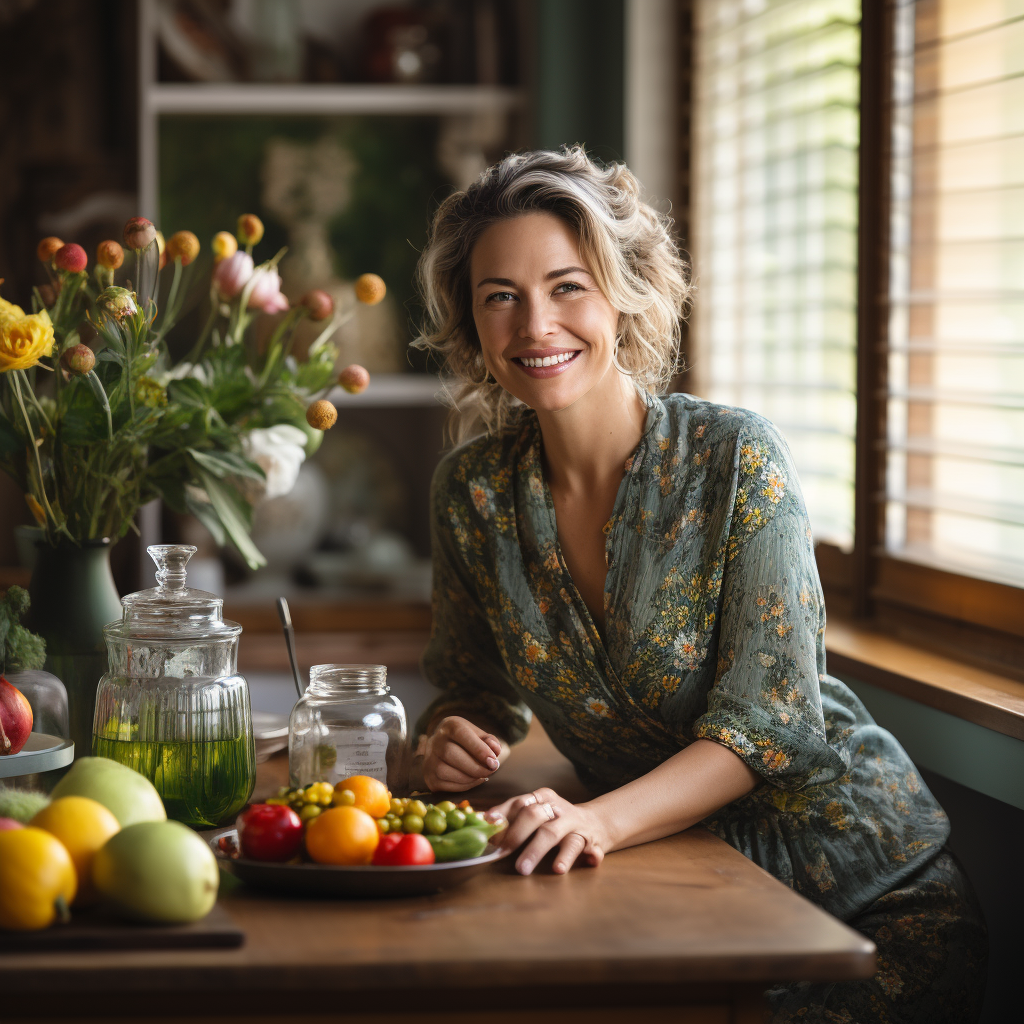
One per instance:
[(266, 292), (232, 274)]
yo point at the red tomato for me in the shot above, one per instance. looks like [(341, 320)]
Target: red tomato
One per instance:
[(386, 845), (269, 832), (404, 851)]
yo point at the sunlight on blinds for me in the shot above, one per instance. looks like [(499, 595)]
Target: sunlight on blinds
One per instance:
[(776, 91), (955, 469)]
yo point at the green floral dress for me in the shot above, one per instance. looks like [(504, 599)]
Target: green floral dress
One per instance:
[(714, 629)]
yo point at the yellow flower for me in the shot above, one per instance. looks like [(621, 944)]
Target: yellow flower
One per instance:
[(23, 339), (9, 311), (224, 244)]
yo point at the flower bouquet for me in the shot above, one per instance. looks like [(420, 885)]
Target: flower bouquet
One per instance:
[(96, 418)]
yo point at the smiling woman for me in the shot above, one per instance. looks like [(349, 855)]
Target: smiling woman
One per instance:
[(599, 240), (637, 572)]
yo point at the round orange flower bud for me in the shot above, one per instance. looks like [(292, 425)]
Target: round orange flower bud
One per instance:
[(70, 257), (48, 247), (250, 229), (184, 246), (370, 289), (354, 379), (78, 359), (109, 254), (321, 415), (138, 233), (224, 246), (318, 304)]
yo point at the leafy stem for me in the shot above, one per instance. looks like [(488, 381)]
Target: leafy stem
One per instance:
[(32, 444)]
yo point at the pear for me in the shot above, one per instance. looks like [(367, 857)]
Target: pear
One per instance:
[(157, 871), (129, 796)]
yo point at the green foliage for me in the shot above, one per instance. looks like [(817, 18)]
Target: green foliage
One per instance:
[(19, 648), (138, 427)]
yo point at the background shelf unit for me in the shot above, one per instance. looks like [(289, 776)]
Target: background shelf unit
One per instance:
[(331, 99)]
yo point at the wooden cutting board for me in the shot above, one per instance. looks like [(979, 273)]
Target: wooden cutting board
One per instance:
[(91, 929)]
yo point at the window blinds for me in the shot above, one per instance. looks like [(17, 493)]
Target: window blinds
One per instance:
[(776, 91), (955, 412)]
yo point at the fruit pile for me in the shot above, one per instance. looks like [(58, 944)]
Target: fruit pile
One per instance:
[(104, 836), (360, 822)]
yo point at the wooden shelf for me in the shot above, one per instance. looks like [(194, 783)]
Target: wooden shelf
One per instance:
[(392, 390), (316, 615), (329, 100), (399, 649)]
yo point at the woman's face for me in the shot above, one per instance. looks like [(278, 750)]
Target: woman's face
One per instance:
[(546, 330)]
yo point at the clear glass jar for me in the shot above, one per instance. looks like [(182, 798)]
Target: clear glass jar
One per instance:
[(172, 704), (48, 698), (347, 723)]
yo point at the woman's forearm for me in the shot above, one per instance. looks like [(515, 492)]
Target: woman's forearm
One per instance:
[(680, 792)]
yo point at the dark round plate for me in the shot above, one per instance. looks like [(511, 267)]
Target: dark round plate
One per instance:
[(367, 882)]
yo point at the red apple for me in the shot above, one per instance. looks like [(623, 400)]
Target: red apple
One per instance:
[(269, 832), (15, 718)]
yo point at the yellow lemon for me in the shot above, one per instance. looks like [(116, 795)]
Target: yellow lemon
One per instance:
[(37, 879), (83, 826)]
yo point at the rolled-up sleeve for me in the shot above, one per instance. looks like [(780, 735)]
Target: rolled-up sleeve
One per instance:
[(765, 704)]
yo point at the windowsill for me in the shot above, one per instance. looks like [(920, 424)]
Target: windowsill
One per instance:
[(955, 687)]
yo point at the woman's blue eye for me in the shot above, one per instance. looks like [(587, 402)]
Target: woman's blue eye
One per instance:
[(571, 285), (500, 297)]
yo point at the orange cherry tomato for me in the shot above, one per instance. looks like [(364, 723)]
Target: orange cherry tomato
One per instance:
[(342, 835), (371, 795)]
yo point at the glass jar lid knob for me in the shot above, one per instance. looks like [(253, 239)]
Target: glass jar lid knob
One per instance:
[(170, 560)]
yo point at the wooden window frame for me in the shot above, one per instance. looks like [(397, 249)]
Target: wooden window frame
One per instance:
[(976, 619), (962, 616)]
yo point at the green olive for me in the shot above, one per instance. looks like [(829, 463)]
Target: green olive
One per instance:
[(412, 823), (397, 807), (344, 798), (383, 826), (417, 807), (434, 822), (310, 811), (456, 819), (446, 806)]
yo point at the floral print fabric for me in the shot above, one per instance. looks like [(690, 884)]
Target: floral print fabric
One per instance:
[(714, 629), (931, 961)]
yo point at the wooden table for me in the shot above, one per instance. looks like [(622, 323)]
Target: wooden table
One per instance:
[(685, 929)]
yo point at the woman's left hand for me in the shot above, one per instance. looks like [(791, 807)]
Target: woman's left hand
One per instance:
[(547, 821)]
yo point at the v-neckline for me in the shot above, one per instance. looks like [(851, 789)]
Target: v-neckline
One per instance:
[(631, 465)]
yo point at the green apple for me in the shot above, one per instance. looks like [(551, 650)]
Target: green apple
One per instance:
[(157, 871), (129, 796)]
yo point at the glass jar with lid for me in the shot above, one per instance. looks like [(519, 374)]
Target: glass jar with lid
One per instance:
[(347, 723), (172, 704)]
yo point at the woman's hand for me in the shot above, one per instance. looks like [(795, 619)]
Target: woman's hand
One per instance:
[(547, 821), (458, 755)]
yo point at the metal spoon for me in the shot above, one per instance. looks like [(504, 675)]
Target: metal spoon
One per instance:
[(289, 638)]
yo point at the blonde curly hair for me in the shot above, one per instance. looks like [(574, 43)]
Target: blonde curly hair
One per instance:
[(626, 246)]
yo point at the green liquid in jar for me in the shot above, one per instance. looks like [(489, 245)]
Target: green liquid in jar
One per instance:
[(202, 783)]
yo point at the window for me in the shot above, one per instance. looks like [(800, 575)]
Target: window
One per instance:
[(776, 89), (858, 244), (955, 474)]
